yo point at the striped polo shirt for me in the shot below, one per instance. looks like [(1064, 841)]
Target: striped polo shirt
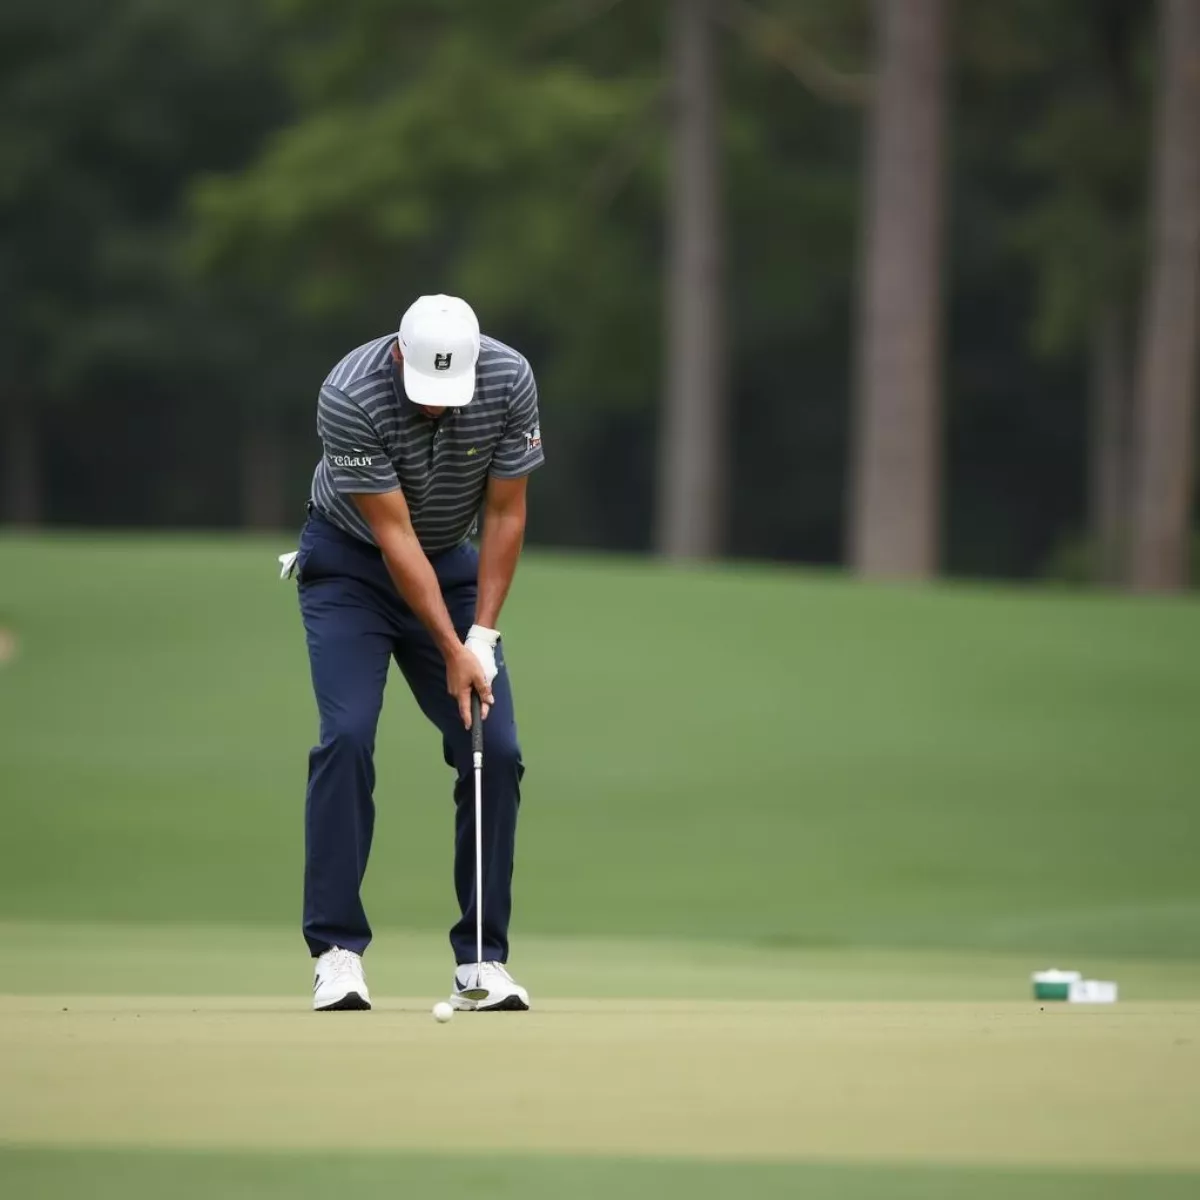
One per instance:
[(376, 440)]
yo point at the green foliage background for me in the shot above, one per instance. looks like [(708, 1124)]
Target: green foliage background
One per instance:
[(203, 207)]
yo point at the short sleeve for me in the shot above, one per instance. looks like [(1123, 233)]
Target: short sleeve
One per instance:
[(520, 448), (355, 456)]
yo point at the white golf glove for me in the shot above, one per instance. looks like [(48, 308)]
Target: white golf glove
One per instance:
[(287, 564), (482, 643)]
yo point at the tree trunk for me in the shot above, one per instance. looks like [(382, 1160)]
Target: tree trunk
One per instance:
[(21, 465), (263, 474), (1108, 469), (691, 476), (1166, 380), (896, 473)]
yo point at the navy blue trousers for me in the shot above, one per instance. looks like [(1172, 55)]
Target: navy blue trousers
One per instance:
[(356, 623)]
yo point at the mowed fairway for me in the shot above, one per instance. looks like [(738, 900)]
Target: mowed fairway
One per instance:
[(942, 1082), (790, 850), (770, 1089)]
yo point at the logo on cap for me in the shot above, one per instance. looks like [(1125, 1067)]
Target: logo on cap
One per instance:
[(441, 362)]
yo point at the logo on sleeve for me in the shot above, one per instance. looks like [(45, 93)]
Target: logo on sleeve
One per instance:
[(441, 362), (360, 458), (533, 439)]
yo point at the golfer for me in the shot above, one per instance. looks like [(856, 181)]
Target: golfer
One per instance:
[(420, 432)]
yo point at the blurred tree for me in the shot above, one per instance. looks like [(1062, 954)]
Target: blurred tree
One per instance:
[(498, 157), (1082, 228), (516, 152), (693, 444), (896, 473), (1164, 442), (101, 123), (794, 91), (516, 155)]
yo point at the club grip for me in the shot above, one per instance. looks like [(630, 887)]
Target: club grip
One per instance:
[(476, 724)]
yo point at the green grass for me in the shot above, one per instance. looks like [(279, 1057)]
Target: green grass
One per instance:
[(179, 960), (1001, 1085), (110, 1175), (869, 811), (747, 755)]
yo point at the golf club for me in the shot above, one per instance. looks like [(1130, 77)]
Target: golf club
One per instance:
[(477, 759)]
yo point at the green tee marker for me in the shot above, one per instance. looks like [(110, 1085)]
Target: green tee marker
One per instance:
[(1054, 984), (1072, 987)]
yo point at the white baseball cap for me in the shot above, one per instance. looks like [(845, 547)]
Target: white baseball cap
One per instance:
[(439, 339)]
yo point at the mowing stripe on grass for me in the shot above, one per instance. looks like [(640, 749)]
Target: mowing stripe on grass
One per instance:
[(152, 1175)]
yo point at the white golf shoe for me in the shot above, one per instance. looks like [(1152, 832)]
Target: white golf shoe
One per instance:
[(339, 983), (490, 988)]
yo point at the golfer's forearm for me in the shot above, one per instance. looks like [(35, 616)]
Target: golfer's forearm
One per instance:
[(417, 584), (499, 550)]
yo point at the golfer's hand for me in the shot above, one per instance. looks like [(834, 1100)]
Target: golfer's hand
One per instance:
[(464, 675), (482, 643)]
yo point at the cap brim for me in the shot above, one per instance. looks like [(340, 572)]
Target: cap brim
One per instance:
[(438, 391)]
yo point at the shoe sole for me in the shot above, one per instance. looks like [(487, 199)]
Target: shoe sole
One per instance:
[(508, 1004), (350, 1002)]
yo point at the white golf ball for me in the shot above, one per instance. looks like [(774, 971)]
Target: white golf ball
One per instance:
[(442, 1012)]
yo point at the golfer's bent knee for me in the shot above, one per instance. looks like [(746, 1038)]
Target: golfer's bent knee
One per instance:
[(501, 751), (350, 733)]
